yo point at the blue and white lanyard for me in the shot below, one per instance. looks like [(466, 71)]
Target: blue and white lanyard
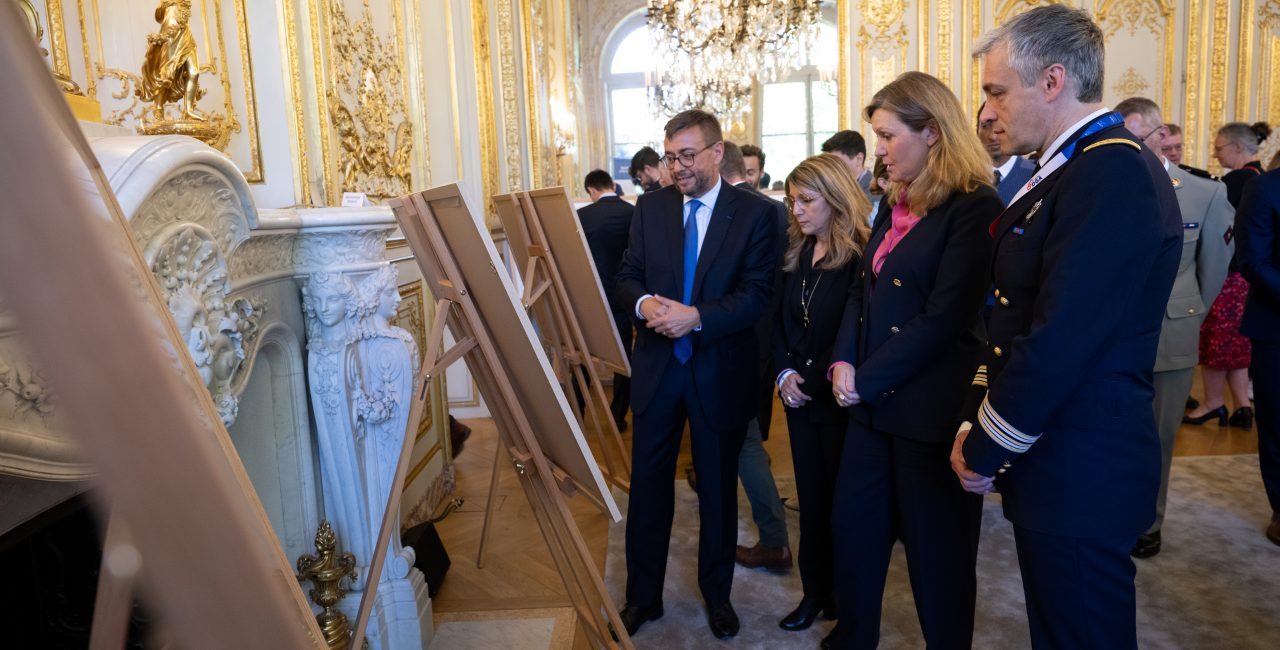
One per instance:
[(1106, 121)]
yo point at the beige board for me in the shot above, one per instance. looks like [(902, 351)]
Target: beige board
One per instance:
[(522, 357), (568, 244)]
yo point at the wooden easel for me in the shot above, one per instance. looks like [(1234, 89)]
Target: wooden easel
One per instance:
[(544, 483)]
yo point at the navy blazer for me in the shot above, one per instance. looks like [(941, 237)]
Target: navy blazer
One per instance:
[(914, 334), (606, 224), (733, 287), (1083, 268), (1258, 255), (1018, 176)]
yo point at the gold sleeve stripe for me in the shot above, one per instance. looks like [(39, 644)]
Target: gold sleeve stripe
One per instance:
[(1102, 143)]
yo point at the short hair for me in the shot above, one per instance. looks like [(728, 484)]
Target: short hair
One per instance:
[(878, 171), (732, 164), (1248, 137), (705, 121), (749, 150), (1174, 129), (1149, 110), (849, 227), (598, 179), (849, 143), (957, 162), (646, 157), (1043, 36)]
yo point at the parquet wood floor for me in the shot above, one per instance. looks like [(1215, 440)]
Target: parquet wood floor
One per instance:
[(519, 573)]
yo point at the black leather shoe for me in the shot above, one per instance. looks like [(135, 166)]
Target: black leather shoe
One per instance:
[(1242, 418), (829, 641), (633, 617), (723, 621), (803, 615), (1220, 413), (1148, 545)]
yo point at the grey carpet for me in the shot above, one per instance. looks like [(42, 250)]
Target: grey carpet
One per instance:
[(1216, 584)]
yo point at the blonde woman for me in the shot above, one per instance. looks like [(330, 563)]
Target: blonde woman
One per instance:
[(904, 358), (826, 237)]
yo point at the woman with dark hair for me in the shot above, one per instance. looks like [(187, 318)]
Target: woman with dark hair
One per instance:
[(906, 353), (1224, 352), (826, 238)]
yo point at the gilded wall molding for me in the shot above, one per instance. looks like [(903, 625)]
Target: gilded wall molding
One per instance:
[(513, 153), (484, 100), (1191, 110), (883, 34), (943, 66), (297, 119), (1244, 63), (1269, 27), (1154, 16), (1218, 70), (844, 85)]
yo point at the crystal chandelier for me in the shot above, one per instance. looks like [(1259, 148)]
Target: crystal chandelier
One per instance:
[(709, 51)]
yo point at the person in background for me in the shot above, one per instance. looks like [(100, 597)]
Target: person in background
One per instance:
[(852, 149), (1009, 171), (1224, 352), (753, 158), (1206, 218), (1171, 149), (879, 185), (826, 238), (1258, 254), (606, 224), (908, 344), (647, 172), (773, 549), (1084, 264)]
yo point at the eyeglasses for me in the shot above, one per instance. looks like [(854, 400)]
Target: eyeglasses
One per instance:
[(804, 201), (1152, 132), (686, 159)]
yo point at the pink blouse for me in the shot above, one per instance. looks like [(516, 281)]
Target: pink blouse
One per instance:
[(903, 222)]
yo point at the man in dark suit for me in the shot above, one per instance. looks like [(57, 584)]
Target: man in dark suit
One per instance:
[(753, 159), (773, 549), (606, 224), (698, 273), (1084, 263), (1257, 243), (852, 148), (1011, 172)]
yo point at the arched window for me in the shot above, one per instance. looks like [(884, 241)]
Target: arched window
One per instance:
[(627, 56), (800, 112)]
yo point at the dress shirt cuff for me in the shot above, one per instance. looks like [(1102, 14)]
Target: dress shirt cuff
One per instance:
[(641, 302), (831, 369), (782, 376)]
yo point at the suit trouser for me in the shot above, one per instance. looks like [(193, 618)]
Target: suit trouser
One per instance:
[(1170, 403), (1080, 592), (761, 490), (890, 487), (815, 454), (621, 402), (655, 446), (1264, 367)]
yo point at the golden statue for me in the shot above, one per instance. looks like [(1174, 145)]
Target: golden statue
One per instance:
[(171, 72)]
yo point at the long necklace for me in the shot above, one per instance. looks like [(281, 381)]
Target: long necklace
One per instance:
[(806, 296)]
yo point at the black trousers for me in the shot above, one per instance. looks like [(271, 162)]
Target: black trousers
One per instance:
[(815, 454), (621, 402), (655, 446), (890, 487), (1080, 592), (1264, 368)]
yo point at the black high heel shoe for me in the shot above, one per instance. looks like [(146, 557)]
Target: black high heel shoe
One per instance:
[(1220, 413), (804, 615), (1242, 418)]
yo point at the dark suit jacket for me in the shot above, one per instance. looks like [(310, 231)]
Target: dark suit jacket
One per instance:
[(733, 286), (1236, 179), (914, 334), (1018, 176), (1083, 268), (606, 225), (1258, 254), (808, 350), (765, 325)]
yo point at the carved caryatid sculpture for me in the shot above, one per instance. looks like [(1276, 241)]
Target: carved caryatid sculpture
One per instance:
[(171, 74), (382, 361)]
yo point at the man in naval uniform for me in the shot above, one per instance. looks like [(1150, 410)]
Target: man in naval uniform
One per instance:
[(1206, 250), (1085, 257)]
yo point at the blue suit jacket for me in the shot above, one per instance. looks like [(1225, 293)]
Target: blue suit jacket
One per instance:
[(1018, 176), (1083, 267), (733, 286), (1258, 255)]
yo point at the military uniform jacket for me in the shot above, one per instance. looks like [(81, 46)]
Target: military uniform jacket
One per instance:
[(1083, 267), (1206, 251)]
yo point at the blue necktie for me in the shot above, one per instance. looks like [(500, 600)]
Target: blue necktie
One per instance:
[(684, 346)]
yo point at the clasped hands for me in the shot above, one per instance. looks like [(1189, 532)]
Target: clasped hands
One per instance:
[(668, 317), (842, 385), (970, 480)]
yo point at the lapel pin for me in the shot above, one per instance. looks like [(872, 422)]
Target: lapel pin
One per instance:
[(1032, 212), (1177, 182)]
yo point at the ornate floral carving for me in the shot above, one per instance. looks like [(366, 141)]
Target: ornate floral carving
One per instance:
[(197, 196), (1131, 84), (262, 255), (318, 250), (1133, 14), (375, 138), (27, 389)]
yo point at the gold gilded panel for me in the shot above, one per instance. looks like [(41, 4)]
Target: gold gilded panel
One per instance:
[(512, 151), (411, 315), (484, 102), (886, 41), (531, 28), (1218, 72), (297, 119), (1244, 62), (1195, 54), (843, 85), (1153, 16), (943, 65)]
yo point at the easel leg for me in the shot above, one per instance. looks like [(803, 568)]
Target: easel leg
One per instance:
[(494, 479)]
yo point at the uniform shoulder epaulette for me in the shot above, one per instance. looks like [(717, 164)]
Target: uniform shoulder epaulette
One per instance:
[(1102, 143)]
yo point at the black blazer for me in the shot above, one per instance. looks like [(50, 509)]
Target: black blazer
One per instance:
[(1258, 254), (915, 333), (764, 327), (807, 350), (606, 225), (733, 286), (1237, 178)]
